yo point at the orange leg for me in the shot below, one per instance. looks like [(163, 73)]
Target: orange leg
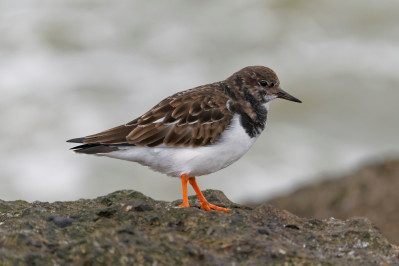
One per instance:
[(203, 202), (184, 179)]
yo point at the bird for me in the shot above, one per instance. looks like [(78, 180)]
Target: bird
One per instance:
[(195, 132)]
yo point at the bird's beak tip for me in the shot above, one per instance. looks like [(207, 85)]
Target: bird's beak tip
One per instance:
[(284, 95)]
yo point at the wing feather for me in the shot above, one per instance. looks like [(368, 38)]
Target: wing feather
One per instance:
[(191, 118)]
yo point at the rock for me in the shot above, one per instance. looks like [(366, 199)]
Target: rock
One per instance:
[(126, 227), (61, 221), (371, 192)]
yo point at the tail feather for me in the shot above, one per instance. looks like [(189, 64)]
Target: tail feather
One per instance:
[(94, 148), (103, 142), (76, 140)]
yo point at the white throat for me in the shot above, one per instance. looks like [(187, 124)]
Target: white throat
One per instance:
[(268, 99)]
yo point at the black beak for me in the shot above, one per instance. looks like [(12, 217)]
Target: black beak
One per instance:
[(283, 95)]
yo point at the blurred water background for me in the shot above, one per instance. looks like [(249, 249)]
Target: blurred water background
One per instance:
[(73, 68)]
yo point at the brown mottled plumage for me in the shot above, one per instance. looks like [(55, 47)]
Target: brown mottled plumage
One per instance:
[(190, 118)]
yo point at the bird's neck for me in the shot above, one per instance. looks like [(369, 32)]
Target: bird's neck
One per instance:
[(252, 112)]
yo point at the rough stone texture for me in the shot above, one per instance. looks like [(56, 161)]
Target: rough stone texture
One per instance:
[(372, 192), (126, 227)]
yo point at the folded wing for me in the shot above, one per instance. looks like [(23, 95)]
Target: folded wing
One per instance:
[(190, 118)]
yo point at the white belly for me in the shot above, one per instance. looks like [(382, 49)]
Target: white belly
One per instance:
[(233, 144)]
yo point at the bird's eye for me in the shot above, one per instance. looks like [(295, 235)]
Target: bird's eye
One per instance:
[(263, 83), (271, 84)]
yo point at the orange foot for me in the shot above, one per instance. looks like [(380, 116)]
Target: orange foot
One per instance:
[(210, 207), (203, 202)]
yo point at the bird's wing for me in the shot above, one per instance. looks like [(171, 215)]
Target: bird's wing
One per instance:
[(190, 118)]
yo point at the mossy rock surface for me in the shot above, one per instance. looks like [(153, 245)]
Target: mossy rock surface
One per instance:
[(129, 228)]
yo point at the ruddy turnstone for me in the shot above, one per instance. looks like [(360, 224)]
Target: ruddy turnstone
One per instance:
[(195, 132)]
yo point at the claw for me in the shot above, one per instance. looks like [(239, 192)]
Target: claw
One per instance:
[(210, 207)]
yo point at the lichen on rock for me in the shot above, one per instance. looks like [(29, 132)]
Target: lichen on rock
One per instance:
[(127, 227)]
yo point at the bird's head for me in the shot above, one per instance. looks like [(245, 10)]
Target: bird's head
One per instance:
[(261, 83)]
